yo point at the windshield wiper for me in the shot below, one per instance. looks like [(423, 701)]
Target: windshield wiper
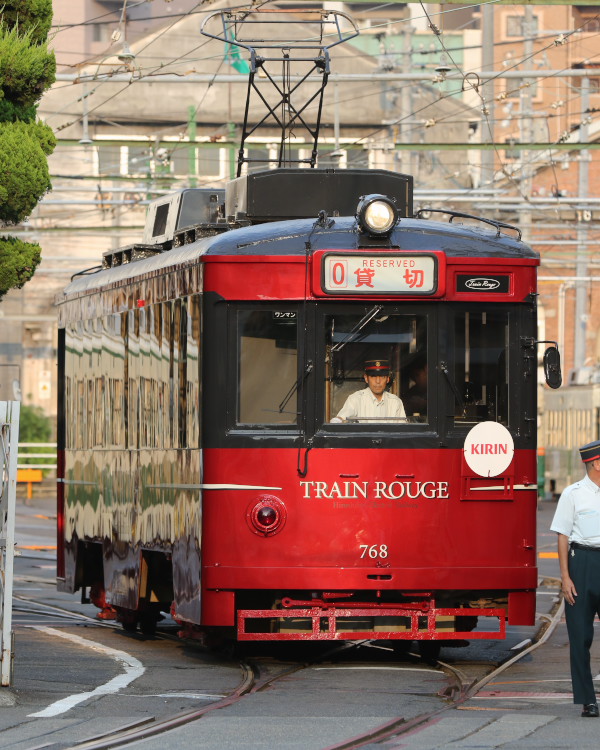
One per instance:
[(358, 327), (459, 398), (295, 386)]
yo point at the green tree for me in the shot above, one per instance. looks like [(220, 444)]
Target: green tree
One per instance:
[(27, 69), (34, 425)]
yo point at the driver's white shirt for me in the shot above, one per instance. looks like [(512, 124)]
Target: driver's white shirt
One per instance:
[(365, 405)]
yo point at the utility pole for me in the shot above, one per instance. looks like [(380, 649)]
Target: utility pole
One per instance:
[(583, 218), (526, 135), (406, 101), (192, 146), (487, 63)]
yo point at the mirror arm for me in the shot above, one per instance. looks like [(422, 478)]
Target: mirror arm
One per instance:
[(529, 341)]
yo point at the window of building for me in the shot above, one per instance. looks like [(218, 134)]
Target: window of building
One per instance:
[(517, 26), (109, 160), (139, 160), (258, 159), (512, 153), (101, 32), (209, 162)]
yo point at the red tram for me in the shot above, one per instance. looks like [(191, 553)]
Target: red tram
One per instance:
[(200, 470)]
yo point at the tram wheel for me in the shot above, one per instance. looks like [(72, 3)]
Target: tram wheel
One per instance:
[(430, 651), (148, 624)]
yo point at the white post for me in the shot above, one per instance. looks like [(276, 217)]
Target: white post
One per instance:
[(9, 439)]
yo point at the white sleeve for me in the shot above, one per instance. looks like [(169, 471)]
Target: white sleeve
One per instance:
[(401, 412), (564, 515)]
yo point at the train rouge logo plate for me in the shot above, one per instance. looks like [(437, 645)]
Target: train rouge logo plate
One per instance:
[(489, 449), (489, 284), (380, 274)]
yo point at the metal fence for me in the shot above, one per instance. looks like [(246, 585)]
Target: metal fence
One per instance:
[(26, 455), (9, 438)]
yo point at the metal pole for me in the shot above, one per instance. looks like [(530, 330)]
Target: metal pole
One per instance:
[(406, 101), (336, 117), (487, 62), (192, 170), (195, 78), (526, 125), (9, 439), (583, 216)]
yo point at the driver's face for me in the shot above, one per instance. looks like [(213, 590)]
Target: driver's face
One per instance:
[(377, 383)]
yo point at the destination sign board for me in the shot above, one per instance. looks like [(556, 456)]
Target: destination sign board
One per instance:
[(378, 273)]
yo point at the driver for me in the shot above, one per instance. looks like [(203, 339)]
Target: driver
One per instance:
[(373, 403)]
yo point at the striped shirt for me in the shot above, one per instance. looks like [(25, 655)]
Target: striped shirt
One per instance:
[(365, 405)]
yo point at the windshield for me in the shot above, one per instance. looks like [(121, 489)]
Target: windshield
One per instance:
[(481, 366), (376, 367), (267, 342)]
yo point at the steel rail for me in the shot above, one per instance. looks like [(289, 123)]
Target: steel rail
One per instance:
[(456, 692), (126, 736), (400, 726)]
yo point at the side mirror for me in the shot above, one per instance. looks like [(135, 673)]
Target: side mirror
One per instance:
[(552, 367)]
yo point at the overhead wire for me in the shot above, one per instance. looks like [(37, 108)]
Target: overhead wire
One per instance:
[(412, 114)]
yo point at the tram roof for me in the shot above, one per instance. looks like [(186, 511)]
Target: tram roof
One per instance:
[(288, 238)]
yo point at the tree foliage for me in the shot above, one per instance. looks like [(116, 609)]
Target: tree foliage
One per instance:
[(24, 175), (27, 69), (34, 15), (34, 425), (18, 261)]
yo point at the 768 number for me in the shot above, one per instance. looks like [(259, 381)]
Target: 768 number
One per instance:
[(374, 551)]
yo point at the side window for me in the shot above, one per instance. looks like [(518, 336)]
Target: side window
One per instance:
[(267, 356), (481, 366), (376, 368)]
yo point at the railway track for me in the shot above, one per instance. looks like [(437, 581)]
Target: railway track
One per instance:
[(255, 677), (399, 727)]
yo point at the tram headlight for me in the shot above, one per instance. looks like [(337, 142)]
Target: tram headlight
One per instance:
[(376, 214), (266, 515)]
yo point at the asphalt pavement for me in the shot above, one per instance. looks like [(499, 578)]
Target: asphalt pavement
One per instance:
[(527, 706)]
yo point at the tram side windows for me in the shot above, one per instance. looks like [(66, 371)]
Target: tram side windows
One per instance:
[(267, 356), (192, 380), (74, 387), (481, 366), (113, 369), (133, 378), (391, 344)]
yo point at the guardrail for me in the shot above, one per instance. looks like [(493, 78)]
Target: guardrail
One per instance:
[(25, 455)]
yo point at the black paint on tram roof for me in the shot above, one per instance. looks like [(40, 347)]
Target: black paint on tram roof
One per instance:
[(289, 238)]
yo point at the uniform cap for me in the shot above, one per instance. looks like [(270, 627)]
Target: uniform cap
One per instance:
[(590, 452), (377, 367)]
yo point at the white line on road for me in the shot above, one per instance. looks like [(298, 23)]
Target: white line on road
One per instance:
[(517, 646), (133, 669)]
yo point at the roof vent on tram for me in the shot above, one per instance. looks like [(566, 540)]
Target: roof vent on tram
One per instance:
[(170, 216), (174, 220)]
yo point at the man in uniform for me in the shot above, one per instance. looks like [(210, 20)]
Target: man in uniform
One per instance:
[(577, 522), (374, 403)]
